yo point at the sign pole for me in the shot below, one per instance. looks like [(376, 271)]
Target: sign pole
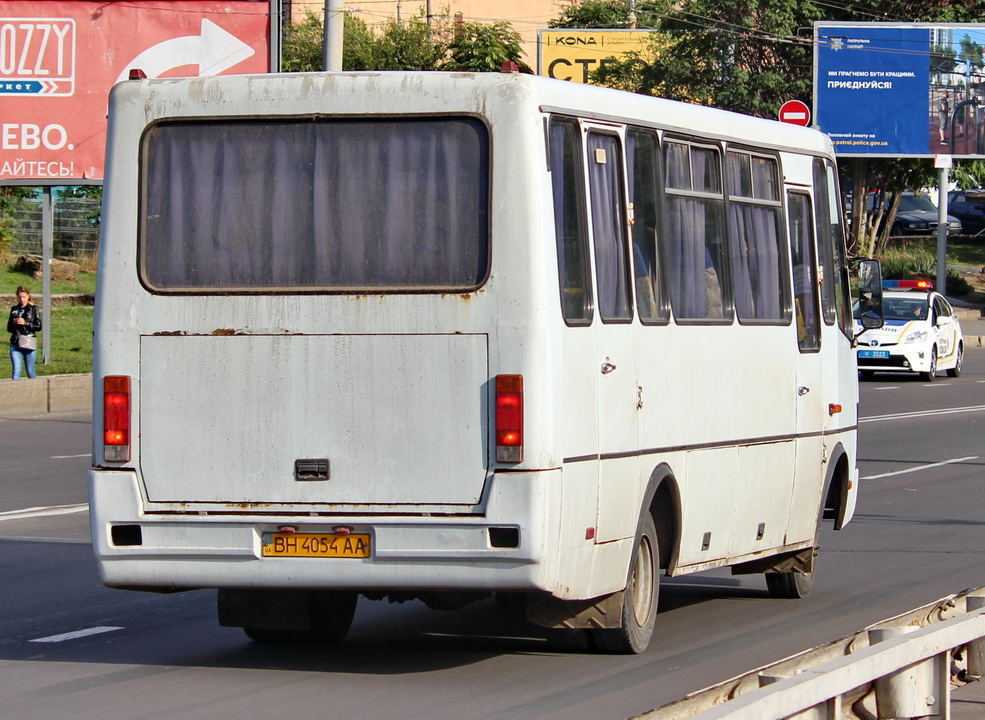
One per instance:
[(942, 228), (47, 242)]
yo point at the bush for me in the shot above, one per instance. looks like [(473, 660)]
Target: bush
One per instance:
[(957, 285), (919, 262), (904, 264)]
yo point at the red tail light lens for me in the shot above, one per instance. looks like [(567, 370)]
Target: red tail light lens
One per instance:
[(509, 418), (116, 418)]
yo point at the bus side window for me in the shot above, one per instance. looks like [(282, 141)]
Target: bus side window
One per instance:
[(694, 241), (759, 266), (642, 158), (804, 272), (835, 291), (570, 227), (609, 224)]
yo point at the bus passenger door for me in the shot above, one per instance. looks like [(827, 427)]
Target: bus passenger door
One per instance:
[(810, 372), (616, 361)]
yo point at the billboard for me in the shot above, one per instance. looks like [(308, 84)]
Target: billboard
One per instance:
[(58, 61), (900, 89), (574, 54)]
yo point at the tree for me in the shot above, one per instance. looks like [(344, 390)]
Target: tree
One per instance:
[(609, 14), (742, 55), (303, 44), (412, 44), (478, 47), (11, 200)]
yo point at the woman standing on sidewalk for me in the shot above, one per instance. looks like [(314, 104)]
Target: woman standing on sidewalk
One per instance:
[(23, 326)]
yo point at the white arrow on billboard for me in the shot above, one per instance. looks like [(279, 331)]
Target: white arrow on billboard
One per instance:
[(213, 50)]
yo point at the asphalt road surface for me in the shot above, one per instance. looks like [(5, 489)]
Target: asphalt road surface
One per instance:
[(70, 648)]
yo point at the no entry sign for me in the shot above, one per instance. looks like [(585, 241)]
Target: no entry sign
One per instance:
[(796, 113)]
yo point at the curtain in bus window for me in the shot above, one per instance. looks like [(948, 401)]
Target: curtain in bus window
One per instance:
[(695, 285), (756, 269), (399, 204), (608, 226), (569, 221)]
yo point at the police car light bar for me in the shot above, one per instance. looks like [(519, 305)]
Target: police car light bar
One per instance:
[(907, 285)]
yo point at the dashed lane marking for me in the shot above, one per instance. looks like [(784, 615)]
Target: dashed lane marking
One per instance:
[(36, 512), (917, 468), (75, 635)]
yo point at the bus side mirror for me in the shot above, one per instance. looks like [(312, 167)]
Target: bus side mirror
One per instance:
[(870, 294)]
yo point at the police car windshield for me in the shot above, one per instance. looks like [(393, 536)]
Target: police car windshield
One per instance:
[(905, 308)]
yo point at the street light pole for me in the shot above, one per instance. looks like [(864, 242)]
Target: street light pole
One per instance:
[(334, 25)]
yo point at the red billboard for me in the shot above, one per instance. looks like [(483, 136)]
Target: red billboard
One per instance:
[(59, 59)]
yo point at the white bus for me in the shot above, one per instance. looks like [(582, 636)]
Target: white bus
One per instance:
[(442, 336)]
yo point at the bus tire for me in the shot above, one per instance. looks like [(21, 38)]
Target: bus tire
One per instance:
[(790, 585), (639, 608)]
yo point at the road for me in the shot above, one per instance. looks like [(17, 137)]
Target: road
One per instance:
[(70, 648)]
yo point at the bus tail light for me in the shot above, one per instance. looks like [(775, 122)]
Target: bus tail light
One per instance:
[(509, 418), (116, 418)]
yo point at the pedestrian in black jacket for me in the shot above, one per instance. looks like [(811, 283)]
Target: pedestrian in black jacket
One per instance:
[(23, 325)]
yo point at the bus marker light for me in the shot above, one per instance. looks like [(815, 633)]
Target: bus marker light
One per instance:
[(509, 418), (834, 408)]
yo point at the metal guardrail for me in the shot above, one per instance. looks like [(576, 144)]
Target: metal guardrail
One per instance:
[(903, 667)]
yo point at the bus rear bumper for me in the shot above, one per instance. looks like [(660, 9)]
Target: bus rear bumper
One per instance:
[(503, 549)]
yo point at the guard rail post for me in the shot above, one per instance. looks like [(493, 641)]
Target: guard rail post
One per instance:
[(918, 691), (976, 648)]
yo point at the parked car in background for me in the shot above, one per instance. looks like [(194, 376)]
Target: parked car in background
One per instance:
[(916, 215), (969, 207)]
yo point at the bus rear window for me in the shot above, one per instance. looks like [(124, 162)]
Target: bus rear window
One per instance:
[(395, 205)]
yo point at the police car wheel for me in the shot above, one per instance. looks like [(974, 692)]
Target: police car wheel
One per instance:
[(956, 370), (931, 373)]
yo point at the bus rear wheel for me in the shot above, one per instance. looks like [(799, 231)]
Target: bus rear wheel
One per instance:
[(790, 585), (639, 609)]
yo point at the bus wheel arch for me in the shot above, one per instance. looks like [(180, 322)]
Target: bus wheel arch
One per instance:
[(836, 488), (662, 500)]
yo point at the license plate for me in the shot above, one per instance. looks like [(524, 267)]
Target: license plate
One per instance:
[(327, 545), (873, 353)]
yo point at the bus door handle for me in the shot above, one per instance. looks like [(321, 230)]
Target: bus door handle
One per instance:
[(607, 367), (803, 390)]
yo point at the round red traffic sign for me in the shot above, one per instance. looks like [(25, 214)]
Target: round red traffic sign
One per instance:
[(795, 112)]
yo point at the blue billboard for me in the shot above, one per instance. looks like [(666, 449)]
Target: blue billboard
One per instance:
[(900, 89)]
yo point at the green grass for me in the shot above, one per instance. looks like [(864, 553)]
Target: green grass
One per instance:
[(70, 325), (10, 281), (960, 251), (71, 341)]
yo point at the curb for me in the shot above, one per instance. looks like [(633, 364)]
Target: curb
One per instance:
[(48, 394)]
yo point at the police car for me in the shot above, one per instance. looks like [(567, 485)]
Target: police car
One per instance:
[(921, 333)]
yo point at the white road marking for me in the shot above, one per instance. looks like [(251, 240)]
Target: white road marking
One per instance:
[(924, 413), (66, 457), (75, 635), (917, 468), (889, 387), (36, 512)]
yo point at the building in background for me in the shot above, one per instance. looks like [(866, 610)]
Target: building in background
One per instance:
[(526, 16)]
